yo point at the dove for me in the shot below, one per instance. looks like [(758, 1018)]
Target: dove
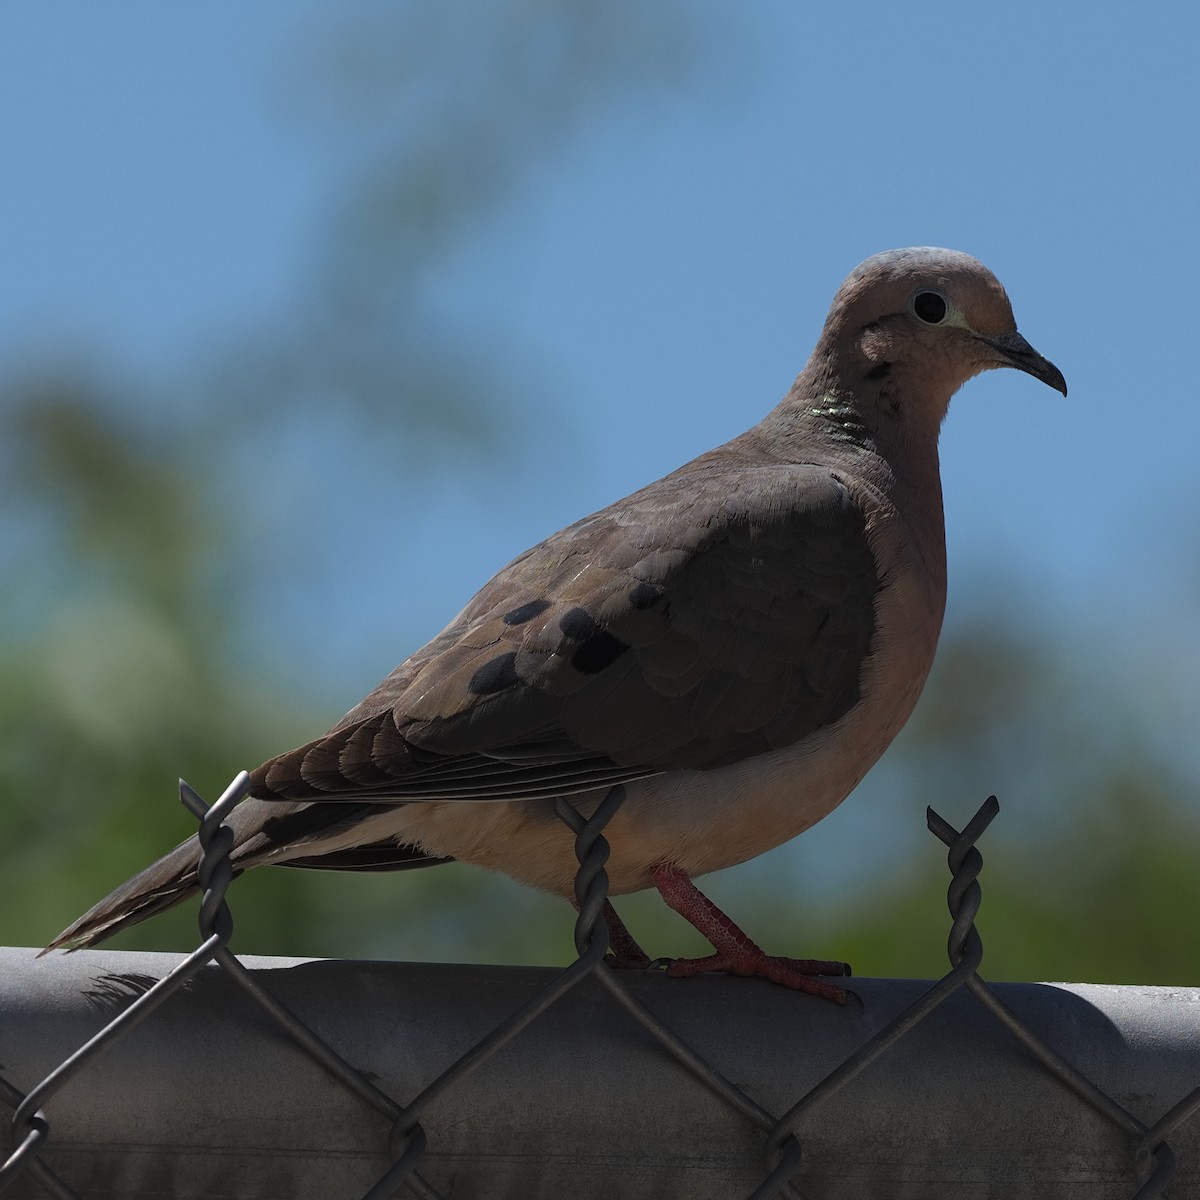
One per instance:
[(735, 645)]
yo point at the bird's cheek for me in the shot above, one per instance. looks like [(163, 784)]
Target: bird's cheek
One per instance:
[(875, 344)]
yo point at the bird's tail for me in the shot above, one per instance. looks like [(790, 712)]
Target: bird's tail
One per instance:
[(328, 837), (262, 832), (160, 886)]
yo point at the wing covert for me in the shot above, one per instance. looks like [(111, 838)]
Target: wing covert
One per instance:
[(720, 613)]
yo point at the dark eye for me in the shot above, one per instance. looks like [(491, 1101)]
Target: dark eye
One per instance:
[(931, 307)]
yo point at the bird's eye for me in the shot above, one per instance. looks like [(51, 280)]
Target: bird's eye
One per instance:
[(931, 307)]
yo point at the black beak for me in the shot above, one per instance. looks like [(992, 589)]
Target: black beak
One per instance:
[(1015, 351)]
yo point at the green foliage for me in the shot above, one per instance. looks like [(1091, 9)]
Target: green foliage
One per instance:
[(1100, 903)]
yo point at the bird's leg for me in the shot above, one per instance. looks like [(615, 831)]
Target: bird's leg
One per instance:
[(735, 952), (626, 953)]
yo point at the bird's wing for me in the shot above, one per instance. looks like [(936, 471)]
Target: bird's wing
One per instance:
[(720, 613)]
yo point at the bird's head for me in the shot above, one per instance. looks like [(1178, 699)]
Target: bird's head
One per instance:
[(911, 326)]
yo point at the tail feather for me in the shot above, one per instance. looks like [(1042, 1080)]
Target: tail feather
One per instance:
[(319, 836), (162, 885)]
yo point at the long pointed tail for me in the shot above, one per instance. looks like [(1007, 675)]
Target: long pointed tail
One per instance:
[(332, 837), (160, 886)]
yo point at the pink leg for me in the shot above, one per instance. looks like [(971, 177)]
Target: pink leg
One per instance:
[(626, 953), (735, 952)]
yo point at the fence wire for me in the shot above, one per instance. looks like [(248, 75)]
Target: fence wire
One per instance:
[(1151, 1160)]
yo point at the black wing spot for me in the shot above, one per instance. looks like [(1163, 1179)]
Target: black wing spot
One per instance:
[(644, 596), (525, 612), (881, 371), (599, 651), (495, 675), (577, 625)]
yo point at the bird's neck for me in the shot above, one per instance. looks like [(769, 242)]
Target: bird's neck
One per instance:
[(879, 412), (891, 446)]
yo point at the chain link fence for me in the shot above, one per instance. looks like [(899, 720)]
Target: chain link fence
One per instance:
[(618, 1084)]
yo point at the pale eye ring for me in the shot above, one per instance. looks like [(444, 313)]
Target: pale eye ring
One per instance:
[(929, 306)]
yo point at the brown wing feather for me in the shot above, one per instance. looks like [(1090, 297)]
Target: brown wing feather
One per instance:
[(722, 612)]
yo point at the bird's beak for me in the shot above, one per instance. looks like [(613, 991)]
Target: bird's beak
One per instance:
[(1015, 351)]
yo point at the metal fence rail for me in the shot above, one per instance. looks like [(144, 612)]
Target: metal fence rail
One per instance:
[(298, 1078)]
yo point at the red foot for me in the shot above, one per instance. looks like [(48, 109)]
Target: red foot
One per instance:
[(735, 952), (794, 973)]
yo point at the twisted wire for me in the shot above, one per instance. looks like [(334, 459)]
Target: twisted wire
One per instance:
[(1153, 1158)]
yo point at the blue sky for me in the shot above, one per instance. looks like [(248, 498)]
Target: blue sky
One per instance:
[(661, 280), (670, 270)]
